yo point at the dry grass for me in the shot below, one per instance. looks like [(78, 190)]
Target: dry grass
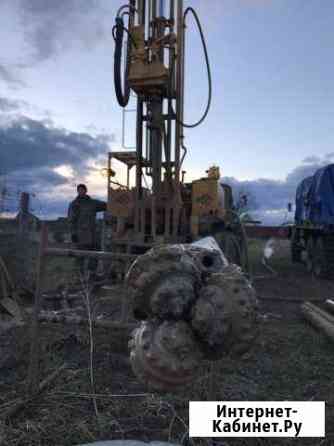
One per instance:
[(290, 361)]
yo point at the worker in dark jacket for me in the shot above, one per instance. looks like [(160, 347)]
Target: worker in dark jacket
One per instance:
[(82, 219)]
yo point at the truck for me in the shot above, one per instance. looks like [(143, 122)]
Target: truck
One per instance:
[(312, 235)]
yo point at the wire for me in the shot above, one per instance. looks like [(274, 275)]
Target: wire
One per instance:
[(208, 106)]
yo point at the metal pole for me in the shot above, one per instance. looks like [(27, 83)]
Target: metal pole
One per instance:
[(139, 167), (156, 143), (154, 9), (179, 87), (319, 319), (179, 115), (149, 18), (162, 8), (109, 176), (330, 305), (142, 14), (58, 252), (142, 4), (171, 93), (155, 109)]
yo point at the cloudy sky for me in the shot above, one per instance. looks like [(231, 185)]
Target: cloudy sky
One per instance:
[(271, 119)]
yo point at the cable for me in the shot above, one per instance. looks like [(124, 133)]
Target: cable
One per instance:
[(122, 96), (199, 122), (118, 35), (122, 8), (128, 33)]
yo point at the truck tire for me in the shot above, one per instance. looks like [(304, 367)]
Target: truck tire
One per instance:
[(320, 264), (310, 254), (296, 251), (296, 255)]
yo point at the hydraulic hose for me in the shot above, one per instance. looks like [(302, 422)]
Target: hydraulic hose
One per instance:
[(196, 124), (118, 33)]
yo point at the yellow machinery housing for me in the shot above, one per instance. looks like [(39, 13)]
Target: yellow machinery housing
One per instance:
[(207, 209)]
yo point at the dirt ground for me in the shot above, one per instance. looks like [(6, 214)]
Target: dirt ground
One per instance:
[(290, 361)]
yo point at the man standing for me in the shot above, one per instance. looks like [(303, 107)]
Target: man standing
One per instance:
[(82, 219)]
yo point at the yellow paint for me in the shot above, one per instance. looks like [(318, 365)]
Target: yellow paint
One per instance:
[(205, 198)]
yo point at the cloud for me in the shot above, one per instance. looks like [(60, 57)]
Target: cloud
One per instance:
[(269, 198), (46, 160), (11, 105), (27, 143), (35, 156), (52, 26), (266, 193), (329, 156), (312, 160), (8, 74), (37, 179)]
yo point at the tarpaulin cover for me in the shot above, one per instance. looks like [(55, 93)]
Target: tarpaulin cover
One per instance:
[(315, 198), (302, 199)]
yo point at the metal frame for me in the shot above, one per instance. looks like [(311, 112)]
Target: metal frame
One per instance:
[(45, 252)]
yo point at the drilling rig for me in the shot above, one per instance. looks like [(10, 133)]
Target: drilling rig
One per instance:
[(161, 208), (193, 304)]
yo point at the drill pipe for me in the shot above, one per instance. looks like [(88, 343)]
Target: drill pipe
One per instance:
[(330, 305), (320, 319)]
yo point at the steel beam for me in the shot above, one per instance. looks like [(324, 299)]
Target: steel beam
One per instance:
[(58, 252)]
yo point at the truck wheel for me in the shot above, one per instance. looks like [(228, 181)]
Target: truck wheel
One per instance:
[(230, 246), (310, 254), (320, 268), (296, 252)]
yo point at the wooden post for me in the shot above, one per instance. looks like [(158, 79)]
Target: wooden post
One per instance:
[(33, 372)]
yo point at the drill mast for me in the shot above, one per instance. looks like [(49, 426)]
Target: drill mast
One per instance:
[(155, 72), (170, 211)]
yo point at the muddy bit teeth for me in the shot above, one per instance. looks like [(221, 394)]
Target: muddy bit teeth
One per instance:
[(195, 308)]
